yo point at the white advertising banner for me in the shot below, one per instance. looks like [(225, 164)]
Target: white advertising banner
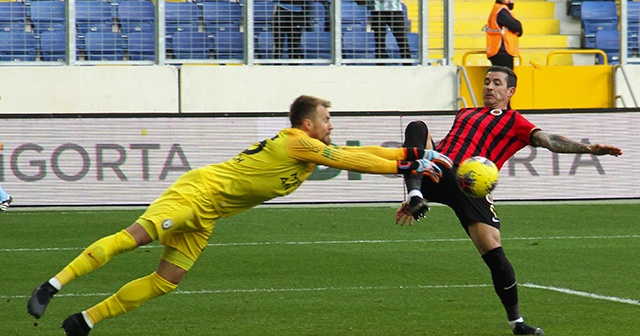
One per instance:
[(131, 160)]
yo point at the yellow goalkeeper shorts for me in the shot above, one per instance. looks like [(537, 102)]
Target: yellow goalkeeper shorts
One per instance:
[(182, 218)]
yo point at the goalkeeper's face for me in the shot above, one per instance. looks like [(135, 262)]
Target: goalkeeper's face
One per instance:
[(319, 127)]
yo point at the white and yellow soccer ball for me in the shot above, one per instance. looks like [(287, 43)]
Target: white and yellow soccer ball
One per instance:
[(477, 176)]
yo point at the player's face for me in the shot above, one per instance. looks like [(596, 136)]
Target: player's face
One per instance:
[(320, 126), (495, 91)]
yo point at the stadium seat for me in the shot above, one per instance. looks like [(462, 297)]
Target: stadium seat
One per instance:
[(354, 17), (262, 15), (221, 16), (633, 27), (53, 46), (14, 15), (264, 45), (47, 15), (596, 16), (93, 16), (190, 45), (609, 42), (316, 44), (136, 16), (141, 46), (228, 45), (181, 16), (104, 46), (317, 16), (17, 46), (358, 44), (393, 50)]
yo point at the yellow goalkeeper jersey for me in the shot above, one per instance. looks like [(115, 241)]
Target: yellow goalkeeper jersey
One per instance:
[(277, 166)]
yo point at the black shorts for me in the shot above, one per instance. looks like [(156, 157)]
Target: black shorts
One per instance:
[(468, 209)]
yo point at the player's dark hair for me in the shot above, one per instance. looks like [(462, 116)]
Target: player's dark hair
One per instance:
[(512, 79), (304, 107)]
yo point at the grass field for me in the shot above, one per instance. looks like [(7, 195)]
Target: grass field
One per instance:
[(341, 271)]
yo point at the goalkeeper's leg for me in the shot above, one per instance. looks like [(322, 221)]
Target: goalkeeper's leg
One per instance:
[(92, 258)]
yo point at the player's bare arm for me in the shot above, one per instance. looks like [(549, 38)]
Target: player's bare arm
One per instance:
[(561, 144)]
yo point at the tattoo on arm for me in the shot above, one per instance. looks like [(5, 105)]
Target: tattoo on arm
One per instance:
[(558, 143)]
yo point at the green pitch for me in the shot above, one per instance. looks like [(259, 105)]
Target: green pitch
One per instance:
[(341, 271)]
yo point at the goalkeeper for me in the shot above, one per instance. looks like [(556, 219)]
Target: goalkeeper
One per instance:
[(183, 217)]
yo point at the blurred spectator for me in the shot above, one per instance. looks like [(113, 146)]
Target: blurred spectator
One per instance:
[(503, 32)]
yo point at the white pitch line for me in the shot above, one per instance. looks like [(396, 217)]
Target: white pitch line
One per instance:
[(584, 294), (330, 242), (272, 290)]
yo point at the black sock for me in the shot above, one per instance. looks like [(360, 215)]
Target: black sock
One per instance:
[(504, 281)]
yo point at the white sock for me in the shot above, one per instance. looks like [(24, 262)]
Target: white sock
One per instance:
[(513, 323), (415, 192), (87, 319), (55, 283)]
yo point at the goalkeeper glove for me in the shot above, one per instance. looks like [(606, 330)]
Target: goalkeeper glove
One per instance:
[(421, 167), (428, 154)]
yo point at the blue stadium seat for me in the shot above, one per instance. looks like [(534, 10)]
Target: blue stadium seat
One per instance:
[(17, 46), (53, 46), (104, 46), (228, 45), (393, 50), (316, 44), (597, 15), (358, 44), (136, 16), (262, 15), (354, 17), (93, 16), (47, 15), (633, 27), (317, 16), (221, 15), (141, 46), (609, 42), (190, 45), (14, 16), (181, 16), (264, 45)]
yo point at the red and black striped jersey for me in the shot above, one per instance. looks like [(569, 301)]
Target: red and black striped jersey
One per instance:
[(492, 133)]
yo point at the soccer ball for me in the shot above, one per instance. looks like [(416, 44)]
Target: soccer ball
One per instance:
[(477, 176)]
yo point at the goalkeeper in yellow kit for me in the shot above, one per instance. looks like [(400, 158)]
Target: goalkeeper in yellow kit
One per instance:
[(183, 217)]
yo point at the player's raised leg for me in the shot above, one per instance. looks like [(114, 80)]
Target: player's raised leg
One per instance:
[(92, 258)]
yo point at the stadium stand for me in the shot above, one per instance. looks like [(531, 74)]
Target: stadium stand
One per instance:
[(104, 46), (17, 46), (47, 15), (53, 46), (264, 45), (221, 15), (93, 16), (14, 15), (358, 45), (317, 16), (393, 50), (609, 42), (354, 17), (262, 15), (136, 16), (633, 28), (228, 45), (190, 45), (141, 46), (597, 16), (181, 16), (316, 44)]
